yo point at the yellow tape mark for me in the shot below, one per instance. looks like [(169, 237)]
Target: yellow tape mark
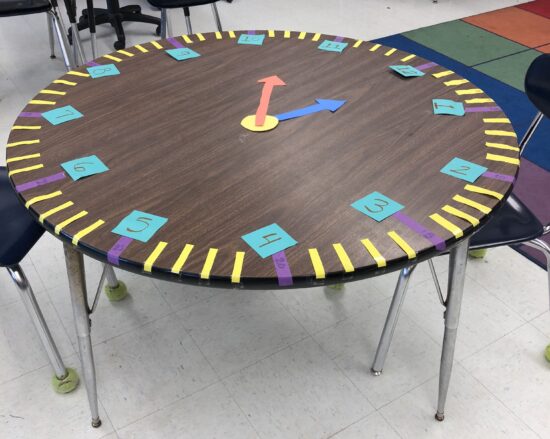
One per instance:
[(302, 35), (50, 212), (42, 198), (27, 169), (411, 254), (373, 251), (316, 37), (390, 52), (502, 158), (62, 81), (408, 58), (53, 92), (75, 73), (500, 133), (287, 34), (443, 74), (344, 258), (200, 37), (40, 102), (446, 224), (479, 101), (237, 267), (482, 190), (182, 258), (208, 263), (148, 264), (481, 207), (112, 58), (232, 34), (496, 120), (317, 263), (358, 43), (26, 127), (23, 142), (141, 48), (23, 157), (456, 82), (460, 214), (78, 236), (375, 47), (156, 44), (125, 52), (469, 91), (68, 221), (219, 35), (187, 39), (271, 33), (501, 146)]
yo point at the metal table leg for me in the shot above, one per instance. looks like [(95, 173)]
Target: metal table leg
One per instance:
[(457, 274), (81, 314)]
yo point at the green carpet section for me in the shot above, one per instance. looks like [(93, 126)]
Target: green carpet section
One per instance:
[(463, 42), (510, 69)]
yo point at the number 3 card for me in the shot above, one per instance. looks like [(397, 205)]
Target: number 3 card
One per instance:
[(140, 225), (84, 167), (377, 206)]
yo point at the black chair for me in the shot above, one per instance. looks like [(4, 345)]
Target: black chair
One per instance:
[(513, 224), (18, 234), (164, 5), (10, 8)]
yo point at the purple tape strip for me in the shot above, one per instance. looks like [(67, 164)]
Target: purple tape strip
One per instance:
[(92, 64), (31, 114), (497, 176), (426, 66), (113, 255), (338, 39), (481, 109), (175, 43), (421, 230), (283, 270), (251, 32), (40, 182)]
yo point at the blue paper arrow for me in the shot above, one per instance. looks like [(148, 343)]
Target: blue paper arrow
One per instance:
[(321, 105)]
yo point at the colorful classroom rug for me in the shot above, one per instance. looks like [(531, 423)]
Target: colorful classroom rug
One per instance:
[(494, 50)]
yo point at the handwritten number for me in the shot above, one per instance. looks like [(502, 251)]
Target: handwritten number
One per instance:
[(141, 219), (463, 170), (81, 167), (68, 113), (380, 204)]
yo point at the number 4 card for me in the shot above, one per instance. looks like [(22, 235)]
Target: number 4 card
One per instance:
[(377, 206), (464, 170), (84, 167), (140, 225)]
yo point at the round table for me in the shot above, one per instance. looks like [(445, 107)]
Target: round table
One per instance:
[(260, 159)]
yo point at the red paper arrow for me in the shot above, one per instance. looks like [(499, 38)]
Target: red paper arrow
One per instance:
[(269, 83)]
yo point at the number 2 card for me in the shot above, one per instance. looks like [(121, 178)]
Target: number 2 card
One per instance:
[(377, 206), (463, 170), (140, 225)]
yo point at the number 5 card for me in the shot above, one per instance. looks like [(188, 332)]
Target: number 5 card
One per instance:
[(140, 225)]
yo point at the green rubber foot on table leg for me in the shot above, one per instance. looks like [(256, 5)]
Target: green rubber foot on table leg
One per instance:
[(336, 287), (67, 384), (117, 293), (478, 254), (547, 353)]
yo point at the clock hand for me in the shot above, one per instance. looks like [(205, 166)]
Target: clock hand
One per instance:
[(321, 105), (269, 84)]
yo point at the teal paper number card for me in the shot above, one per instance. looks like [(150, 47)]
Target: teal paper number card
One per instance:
[(332, 46), (446, 106), (407, 71), (62, 115), (182, 53), (104, 70), (463, 170), (140, 225), (377, 206), (269, 240), (84, 167), (255, 40)]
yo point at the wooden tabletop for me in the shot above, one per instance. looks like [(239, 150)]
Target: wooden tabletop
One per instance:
[(170, 133)]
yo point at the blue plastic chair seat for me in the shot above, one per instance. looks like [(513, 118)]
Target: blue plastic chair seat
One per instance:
[(18, 230)]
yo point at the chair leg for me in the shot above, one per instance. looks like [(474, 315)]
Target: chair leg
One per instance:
[(50, 36), (188, 20), (163, 23), (541, 245), (217, 17), (391, 320), (61, 38), (115, 289)]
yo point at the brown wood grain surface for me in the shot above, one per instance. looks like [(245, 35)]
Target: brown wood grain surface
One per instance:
[(170, 134)]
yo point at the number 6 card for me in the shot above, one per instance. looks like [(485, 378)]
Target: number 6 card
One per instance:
[(84, 167)]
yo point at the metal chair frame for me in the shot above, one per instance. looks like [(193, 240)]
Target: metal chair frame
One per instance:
[(165, 32)]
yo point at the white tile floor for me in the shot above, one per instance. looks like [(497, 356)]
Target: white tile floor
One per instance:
[(184, 362)]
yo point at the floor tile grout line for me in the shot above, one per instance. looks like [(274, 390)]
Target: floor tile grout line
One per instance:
[(241, 410)]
